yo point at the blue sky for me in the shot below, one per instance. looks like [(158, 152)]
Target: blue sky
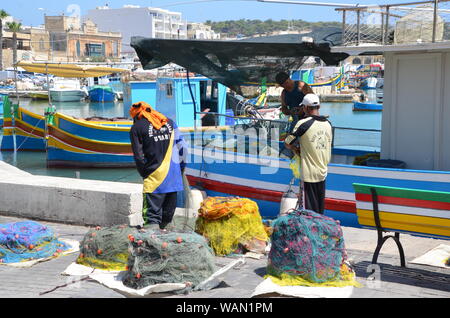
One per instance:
[(32, 12)]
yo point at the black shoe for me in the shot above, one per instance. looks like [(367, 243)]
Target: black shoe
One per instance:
[(163, 225)]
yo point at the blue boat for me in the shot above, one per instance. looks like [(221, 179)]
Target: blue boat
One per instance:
[(359, 106), (102, 94)]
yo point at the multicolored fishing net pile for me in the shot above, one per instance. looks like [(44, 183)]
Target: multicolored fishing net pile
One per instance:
[(106, 248), (159, 257), (28, 240), (308, 249), (231, 225)]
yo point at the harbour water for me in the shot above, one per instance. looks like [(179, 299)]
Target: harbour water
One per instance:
[(340, 114)]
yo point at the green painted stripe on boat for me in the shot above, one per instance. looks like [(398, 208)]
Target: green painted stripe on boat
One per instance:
[(403, 192)]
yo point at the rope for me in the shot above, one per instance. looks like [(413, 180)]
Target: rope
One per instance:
[(26, 138)]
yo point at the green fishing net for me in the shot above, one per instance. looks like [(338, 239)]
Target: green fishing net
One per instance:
[(159, 257), (106, 248)]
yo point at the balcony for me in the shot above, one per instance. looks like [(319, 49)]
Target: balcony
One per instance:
[(395, 24)]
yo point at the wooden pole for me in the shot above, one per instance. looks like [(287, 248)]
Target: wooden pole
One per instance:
[(358, 31), (343, 26)]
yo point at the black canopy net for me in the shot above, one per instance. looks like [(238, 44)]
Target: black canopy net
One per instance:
[(232, 63)]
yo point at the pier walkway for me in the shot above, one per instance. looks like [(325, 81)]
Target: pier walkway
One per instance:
[(415, 281)]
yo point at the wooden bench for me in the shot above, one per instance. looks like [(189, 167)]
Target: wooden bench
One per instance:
[(401, 210)]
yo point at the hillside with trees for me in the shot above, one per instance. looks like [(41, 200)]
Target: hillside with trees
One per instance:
[(248, 28)]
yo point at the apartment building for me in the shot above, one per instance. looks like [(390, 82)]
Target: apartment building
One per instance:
[(139, 21)]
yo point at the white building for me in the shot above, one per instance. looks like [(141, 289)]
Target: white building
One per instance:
[(139, 21), (201, 31)]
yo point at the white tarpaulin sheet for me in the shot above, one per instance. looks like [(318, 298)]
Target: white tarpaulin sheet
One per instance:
[(435, 257), (114, 280), (269, 287)]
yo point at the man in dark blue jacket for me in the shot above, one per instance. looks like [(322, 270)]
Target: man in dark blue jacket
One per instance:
[(159, 152)]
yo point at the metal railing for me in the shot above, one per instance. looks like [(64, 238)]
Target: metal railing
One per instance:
[(394, 24), (344, 137)]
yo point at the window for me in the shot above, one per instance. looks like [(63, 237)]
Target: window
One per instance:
[(169, 90), (93, 49), (41, 45), (356, 60), (78, 49), (115, 48)]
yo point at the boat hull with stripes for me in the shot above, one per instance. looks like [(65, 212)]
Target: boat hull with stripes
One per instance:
[(26, 134), (74, 142), (81, 143), (266, 179)]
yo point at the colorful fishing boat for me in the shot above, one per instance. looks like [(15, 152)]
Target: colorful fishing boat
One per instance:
[(83, 143), (101, 94), (360, 106), (73, 142), (266, 179), (225, 171), (22, 130)]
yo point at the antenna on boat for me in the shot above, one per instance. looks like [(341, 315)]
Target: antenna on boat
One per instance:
[(193, 100)]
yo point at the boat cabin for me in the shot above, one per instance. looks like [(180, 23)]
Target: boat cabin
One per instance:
[(416, 103), (172, 97), (136, 91)]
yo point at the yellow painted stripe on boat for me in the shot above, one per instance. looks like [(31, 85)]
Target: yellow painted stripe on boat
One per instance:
[(90, 125), (411, 223), (107, 122), (55, 143), (91, 140)]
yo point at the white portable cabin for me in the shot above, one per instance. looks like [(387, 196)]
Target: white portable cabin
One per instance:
[(416, 105)]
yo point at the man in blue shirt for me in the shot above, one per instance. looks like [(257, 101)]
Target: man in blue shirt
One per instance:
[(159, 152), (291, 96)]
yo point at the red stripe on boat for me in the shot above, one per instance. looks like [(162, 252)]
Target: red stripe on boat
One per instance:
[(405, 202), (266, 195)]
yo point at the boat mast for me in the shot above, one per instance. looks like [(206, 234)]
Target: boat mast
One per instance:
[(13, 121)]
